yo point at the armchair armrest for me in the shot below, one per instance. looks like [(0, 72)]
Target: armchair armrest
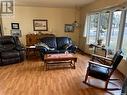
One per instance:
[(95, 63), (101, 57)]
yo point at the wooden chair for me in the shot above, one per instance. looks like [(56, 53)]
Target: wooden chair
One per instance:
[(105, 60), (102, 71)]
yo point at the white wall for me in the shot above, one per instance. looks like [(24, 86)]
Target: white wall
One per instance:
[(56, 17)]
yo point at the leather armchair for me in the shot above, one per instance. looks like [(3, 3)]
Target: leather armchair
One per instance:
[(57, 44), (103, 71), (11, 50)]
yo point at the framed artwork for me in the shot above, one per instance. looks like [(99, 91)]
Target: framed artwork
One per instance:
[(14, 25), (40, 25), (16, 32), (69, 28)]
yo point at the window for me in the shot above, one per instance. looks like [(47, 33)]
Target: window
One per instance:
[(124, 44), (97, 27), (110, 27), (92, 28), (104, 21), (115, 29)]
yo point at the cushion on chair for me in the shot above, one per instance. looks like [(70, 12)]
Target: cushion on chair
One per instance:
[(98, 72)]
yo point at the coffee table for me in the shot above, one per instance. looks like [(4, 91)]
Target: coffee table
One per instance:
[(59, 58)]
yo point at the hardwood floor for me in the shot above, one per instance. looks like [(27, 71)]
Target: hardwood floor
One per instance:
[(28, 78)]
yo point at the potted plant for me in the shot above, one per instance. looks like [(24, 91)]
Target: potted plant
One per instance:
[(99, 41)]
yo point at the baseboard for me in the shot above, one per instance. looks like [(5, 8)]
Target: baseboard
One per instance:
[(82, 52), (122, 75)]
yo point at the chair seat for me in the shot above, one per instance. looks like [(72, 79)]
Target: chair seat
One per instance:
[(10, 54), (98, 72)]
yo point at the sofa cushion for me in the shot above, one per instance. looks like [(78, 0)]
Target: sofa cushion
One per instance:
[(49, 41), (10, 54), (62, 41), (52, 51), (65, 47)]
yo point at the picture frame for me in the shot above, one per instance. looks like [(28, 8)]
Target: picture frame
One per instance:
[(16, 32), (69, 28), (15, 25), (40, 25)]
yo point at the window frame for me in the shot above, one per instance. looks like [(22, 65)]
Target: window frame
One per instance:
[(87, 24), (108, 36)]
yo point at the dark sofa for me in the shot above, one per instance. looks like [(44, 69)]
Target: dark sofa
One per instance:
[(57, 44), (11, 50)]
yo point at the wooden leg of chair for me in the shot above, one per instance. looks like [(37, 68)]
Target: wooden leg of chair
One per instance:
[(106, 85), (86, 77)]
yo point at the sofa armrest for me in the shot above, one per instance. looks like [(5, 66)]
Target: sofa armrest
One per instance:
[(20, 48), (42, 49), (72, 48)]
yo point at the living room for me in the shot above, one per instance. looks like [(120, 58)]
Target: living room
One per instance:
[(59, 14)]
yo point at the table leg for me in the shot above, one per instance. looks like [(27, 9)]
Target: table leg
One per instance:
[(72, 64), (45, 66)]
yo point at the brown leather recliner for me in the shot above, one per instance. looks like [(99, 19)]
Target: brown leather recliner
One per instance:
[(11, 50)]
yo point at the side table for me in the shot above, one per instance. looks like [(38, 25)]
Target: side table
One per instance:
[(31, 51)]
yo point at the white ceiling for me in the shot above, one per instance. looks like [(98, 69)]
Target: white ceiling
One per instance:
[(53, 3)]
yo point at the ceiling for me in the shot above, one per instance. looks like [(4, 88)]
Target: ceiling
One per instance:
[(53, 3)]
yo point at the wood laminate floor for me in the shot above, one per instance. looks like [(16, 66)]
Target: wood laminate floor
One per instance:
[(28, 78)]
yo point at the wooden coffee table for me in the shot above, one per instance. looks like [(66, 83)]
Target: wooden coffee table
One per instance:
[(59, 58)]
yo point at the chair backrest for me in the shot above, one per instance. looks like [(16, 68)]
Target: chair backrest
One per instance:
[(116, 59), (116, 54), (7, 43)]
